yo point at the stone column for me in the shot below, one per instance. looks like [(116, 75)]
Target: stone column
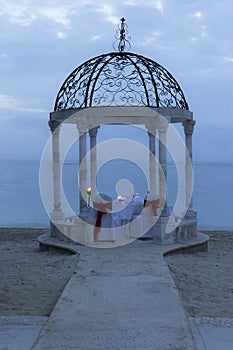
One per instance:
[(152, 169), (57, 213), (93, 157), (163, 125), (188, 130), (83, 211)]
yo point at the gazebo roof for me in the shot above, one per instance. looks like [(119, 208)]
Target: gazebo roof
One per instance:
[(120, 79)]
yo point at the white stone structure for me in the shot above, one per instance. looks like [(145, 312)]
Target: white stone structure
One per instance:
[(123, 88), (156, 121)]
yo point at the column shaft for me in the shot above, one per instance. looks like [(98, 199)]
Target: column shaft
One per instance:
[(93, 158), (55, 128), (163, 125), (163, 169), (82, 172), (57, 214), (188, 129), (152, 169)]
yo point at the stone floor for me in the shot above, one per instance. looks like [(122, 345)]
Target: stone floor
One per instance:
[(121, 298), (19, 333)]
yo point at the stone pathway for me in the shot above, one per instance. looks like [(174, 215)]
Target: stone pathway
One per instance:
[(212, 333), (19, 332), (119, 298)]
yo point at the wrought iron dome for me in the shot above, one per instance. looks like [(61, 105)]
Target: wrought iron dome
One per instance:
[(120, 79)]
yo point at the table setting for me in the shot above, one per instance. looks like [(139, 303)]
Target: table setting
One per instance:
[(124, 217)]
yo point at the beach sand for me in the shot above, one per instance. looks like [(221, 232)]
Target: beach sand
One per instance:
[(32, 280), (205, 280)]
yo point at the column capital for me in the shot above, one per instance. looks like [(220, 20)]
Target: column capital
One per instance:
[(93, 131), (81, 130), (54, 124), (150, 129), (82, 125), (188, 126), (163, 124)]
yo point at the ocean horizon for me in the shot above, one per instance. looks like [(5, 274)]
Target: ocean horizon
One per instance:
[(21, 205)]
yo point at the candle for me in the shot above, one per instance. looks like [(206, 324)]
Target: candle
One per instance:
[(89, 196), (89, 191)]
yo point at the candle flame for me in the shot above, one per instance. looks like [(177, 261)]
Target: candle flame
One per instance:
[(89, 190)]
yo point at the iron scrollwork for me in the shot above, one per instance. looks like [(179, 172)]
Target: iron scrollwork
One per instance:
[(119, 79), (122, 41)]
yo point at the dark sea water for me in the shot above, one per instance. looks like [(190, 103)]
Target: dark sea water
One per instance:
[(21, 204)]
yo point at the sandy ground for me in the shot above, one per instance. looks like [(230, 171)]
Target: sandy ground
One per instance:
[(205, 280), (31, 281)]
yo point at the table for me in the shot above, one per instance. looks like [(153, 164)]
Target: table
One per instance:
[(125, 220)]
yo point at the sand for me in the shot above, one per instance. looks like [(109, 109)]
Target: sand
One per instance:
[(205, 280), (32, 280)]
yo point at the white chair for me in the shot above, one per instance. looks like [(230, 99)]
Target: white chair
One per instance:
[(122, 214), (136, 224), (103, 230), (151, 204)]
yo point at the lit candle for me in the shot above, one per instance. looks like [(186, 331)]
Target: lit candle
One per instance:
[(119, 198), (89, 196), (89, 190)]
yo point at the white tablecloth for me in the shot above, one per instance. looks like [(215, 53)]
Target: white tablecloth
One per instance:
[(124, 221)]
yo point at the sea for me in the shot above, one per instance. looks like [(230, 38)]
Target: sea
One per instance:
[(21, 204)]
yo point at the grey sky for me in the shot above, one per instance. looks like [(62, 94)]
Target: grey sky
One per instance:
[(41, 42)]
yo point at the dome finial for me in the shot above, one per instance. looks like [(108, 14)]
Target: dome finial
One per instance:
[(122, 37)]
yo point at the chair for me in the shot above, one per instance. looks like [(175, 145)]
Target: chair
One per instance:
[(103, 218), (136, 224)]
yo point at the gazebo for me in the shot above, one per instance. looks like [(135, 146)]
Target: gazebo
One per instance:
[(123, 87)]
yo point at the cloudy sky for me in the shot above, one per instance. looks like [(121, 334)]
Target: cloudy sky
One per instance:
[(41, 42)]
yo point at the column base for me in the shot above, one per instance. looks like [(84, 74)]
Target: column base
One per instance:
[(57, 215), (82, 231), (191, 214), (84, 213), (159, 231)]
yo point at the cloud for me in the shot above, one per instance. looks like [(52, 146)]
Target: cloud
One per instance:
[(60, 14), (131, 2), (228, 59), (10, 103), (96, 37), (159, 6), (108, 11), (43, 41), (151, 38), (18, 13), (198, 14), (3, 55), (25, 12), (61, 35)]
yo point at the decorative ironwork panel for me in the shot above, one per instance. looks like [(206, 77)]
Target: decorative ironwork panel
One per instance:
[(120, 79)]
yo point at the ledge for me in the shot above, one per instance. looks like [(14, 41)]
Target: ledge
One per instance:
[(193, 245), (48, 243)]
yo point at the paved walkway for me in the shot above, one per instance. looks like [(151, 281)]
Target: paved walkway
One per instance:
[(120, 298), (19, 332), (124, 298)]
